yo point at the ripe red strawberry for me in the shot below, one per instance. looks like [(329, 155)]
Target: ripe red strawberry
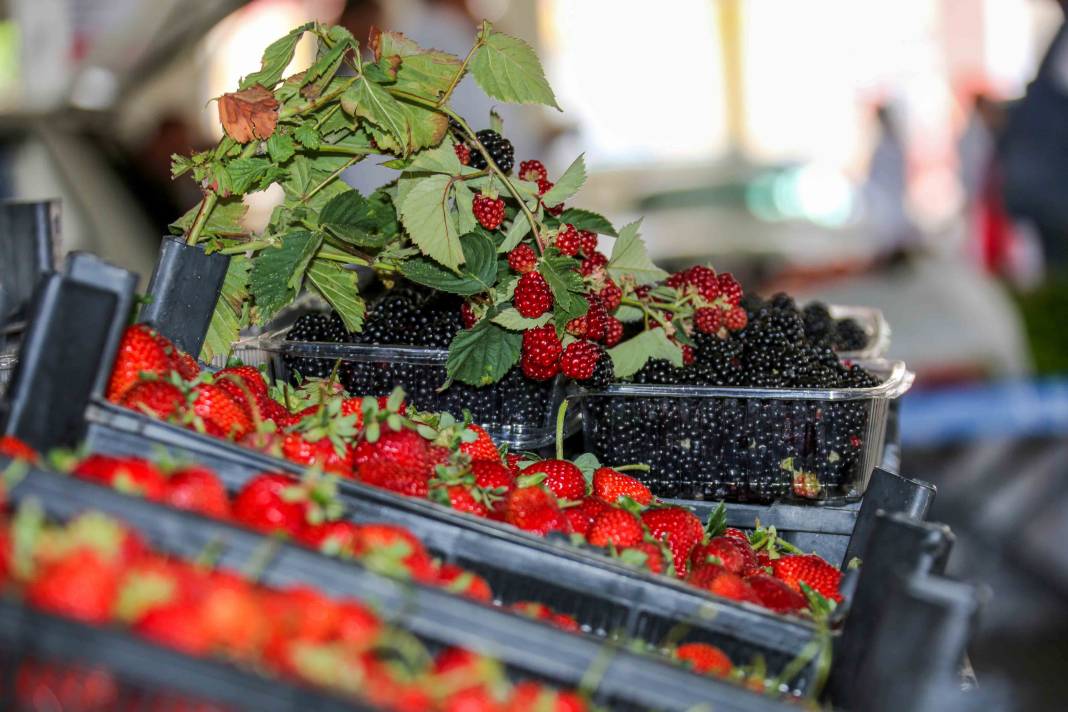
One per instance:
[(679, 528), (460, 498), (567, 240), (736, 557), (12, 447), (403, 447), (538, 610), (177, 625), (321, 453), (466, 583), (337, 538), (381, 546), (736, 319), (198, 489), (610, 485), (50, 685), (532, 296), (129, 475), (738, 535), (219, 412), (775, 594), (482, 448), (81, 585), (717, 580), (563, 478), (535, 510), (186, 366), (271, 503), (820, 576), (488, 211), (395, 477), (583, 514), (616, 527), (238, 380), (522, 258), (529, 696), (580, 359), (496, 481), (233, 618), (533, 170), (160, 399), (704, 658), (139, 352), (587, 242), (463, 153), (654, 556)]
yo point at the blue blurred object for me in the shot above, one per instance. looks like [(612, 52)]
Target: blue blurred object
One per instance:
[(1005, 409)]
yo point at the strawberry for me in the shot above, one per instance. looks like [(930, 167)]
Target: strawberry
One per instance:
[(219, 413), (129, 475), (534, 609), (738, 535), (651, 555), (395, 477), (776, 595), (395, 551), (615, 527), (471, 699), (535, 510), (795, 569), (458, 580), (721, 582), (160, 399), (139, 352), (736, 557), (186, 366), (198, 489), (610, 485), (704, 658), (272, 503), (50, 685), (403, 447), (232, 616), (177, 626), (512, 460), (460, 498), (493, 477), (679, 528), (337, 538), (482, 448), (321, 453), (12, 447), (563, 479), (83, 585), (529, 696), (582, 515)]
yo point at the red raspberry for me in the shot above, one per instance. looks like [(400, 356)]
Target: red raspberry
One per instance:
[(587, 242), (596, 317), (592, 263), (555, 210), (463, 153), (567, 240), (687, 354), (611, 296), (541, 346), (467, 315), (613, 331), (488, 211), (736, 319), (577, 326), (533, 170), (730, 289), (579, 360), (544, 186), (532, 296), (678, 279), (704, 278), (540, 373), (642, 292), (522, 258), (708, 319)]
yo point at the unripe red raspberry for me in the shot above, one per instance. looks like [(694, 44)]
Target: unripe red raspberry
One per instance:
[(533, 170), (532, 296), (567, 240), (463, 153), (579, 360), (708, 319), (611, 296), (488, 211), (541, 346), (544, 186), (730, 289), (736, 319), (613, 331), (687, 354), (587, 242), (592, 263), (522, 258), (467, 315)]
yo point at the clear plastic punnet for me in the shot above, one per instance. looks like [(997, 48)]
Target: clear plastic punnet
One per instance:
[(875, 327), (815, 446), (515, 410)]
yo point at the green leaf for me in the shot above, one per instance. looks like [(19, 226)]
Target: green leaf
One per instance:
[(511, 319), (367, 222), (717, 521), (587, 462), (587, 220), (250, 174), (230, 313), (478, 273), (339, 287), (328, 62), (483, 354), (427, 127), (276, 58), (223, 221), (371, 102), (508, 69), (629, 258), (430, 221), (516, 232), (560, 271), (568, 185), (441, 159), (627, 313), (277, 273), (629, 356), (496, 123), (307, 136), (424, 72), (280, 147), (305, 173), (465, 209)]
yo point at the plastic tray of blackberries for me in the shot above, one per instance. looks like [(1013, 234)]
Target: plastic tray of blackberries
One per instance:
[(529, 648), (857, 332), (404, 342)]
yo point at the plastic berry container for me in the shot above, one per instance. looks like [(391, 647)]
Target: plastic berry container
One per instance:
[(7, 368), (875, 327), (516, 410), (811, 446)]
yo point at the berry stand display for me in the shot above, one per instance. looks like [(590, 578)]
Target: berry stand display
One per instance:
[(528, 647)]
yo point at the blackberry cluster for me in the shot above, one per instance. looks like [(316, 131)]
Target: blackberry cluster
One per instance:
[(412, 316), (500, 150), (840, 334), (744, 449), (315, 327)]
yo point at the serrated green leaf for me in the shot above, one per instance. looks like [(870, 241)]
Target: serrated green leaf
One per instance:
[(429, 219), (441, 159), (277, 273), (587, 220), (627, 313), (587, 462), (496, 122), (371, 102), (276, 58), (252, 174), (328, 61), (519, 229), (307, 136), (629, 356), (477, 274), (560, 271), (569, 183), (629, 258), (427, 128), (367, 222), (465, 209), (305, 173), (508, 69), (424, 72), (511, 319), (223, 221), (230, 314), (280, 147), (483, 354), (339, 287)]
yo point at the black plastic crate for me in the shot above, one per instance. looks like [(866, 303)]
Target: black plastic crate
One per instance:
[(529, 648)]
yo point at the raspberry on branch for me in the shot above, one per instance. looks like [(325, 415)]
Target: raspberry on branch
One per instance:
[(522, 258), (489, 211), (533, 170), (532, 296)]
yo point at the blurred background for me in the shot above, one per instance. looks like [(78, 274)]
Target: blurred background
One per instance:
[(905, 154)]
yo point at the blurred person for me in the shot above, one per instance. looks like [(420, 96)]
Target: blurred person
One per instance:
[(886, 187)]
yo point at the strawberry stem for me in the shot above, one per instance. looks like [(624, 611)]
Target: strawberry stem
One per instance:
[(560, 418)]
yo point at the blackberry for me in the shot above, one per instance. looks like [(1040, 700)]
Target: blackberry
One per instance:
[(819, 326), (315, 327), (409, 316), (849, 335), (603, 373), (660, 372), (499, 148)]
